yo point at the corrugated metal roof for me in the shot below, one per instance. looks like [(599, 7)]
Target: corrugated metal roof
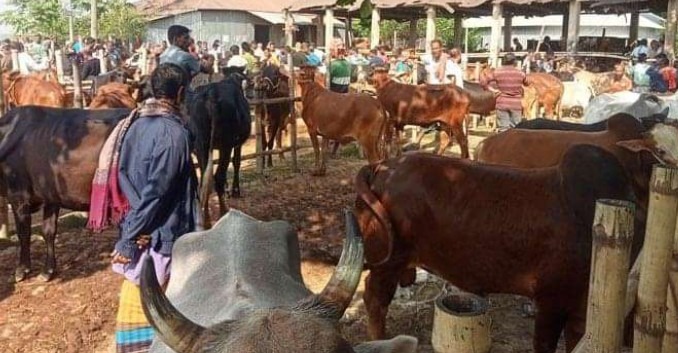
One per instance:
[(164, 8), (645, 21)]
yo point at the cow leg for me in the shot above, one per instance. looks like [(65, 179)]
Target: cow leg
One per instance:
[(316, 151), (380, 287), (235, 188), (22, 219), (220, 182), (335, 149), (548, 325), (278, 141), (49, 229), (324, 155)]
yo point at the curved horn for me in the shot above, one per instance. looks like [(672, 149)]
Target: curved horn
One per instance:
[(346, 277), (174, 329)]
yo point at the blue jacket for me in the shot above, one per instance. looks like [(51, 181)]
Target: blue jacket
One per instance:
[(157, 176), (178, 56)]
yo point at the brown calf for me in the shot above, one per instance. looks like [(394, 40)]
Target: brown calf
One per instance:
[(424, 106), (31, 90), (543, 90), (488, 229), (340, 117), (114, 95)]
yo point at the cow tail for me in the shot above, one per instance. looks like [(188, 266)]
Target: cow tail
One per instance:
[(384, 139), (367, 199)]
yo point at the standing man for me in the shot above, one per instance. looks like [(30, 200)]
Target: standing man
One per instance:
[(509, 82), (438, 67), (641, 80), (340, 71), (146, 179), (179, 38)]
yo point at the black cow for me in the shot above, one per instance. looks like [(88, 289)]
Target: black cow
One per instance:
[(119, 76), (220, 119), (548, 124), (48, 158)]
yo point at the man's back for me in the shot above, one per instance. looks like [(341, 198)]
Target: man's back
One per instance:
[(186, 61)]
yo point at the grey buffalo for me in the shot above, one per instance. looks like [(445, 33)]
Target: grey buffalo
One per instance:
[(238, 288)]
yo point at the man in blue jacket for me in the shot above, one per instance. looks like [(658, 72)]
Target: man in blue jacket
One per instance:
[(157, 182)]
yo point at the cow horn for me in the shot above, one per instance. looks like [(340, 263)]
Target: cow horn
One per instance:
[(174, 329), (346, 277)]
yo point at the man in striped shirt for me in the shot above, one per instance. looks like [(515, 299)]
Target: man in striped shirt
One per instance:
[(509, 81)]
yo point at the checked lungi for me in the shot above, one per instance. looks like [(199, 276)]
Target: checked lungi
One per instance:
[(133, 333)]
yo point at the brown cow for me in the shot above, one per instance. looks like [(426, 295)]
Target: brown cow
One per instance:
[(340, 117), (486, 229), (114, 95), (30, 90), (425, 106), (545, 148), (543, 90)]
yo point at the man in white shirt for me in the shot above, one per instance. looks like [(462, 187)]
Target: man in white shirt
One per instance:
[(439, 69)]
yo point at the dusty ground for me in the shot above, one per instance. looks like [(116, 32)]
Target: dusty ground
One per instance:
[(76, 311)]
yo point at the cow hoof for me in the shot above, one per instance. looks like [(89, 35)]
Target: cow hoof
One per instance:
[(21, 274), (47, 276)]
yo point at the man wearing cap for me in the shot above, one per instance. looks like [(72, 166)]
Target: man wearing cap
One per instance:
[(179, 38)]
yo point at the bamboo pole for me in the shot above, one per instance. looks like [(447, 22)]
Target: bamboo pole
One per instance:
[(260, 112), (650, 320), (4, 212), (461, 324), (15, 60), (612, 238), (77, 86), (289, 38), (59, 59), (670, 343), (102, 61)]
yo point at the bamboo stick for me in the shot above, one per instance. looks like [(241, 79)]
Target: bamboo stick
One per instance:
[(461, 324), (612, 238), (650, 320), (670, 343), (4, 212), (59, 59), (289, 38), (77, 85)]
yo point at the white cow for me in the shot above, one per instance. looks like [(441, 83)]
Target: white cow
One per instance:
[(576, 97), (637, 104)]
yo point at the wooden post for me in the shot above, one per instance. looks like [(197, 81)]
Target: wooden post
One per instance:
[(461, 324), (612, 238), (573, 26), (670, 36), (375, 34), (413, 33), (329, 35), (77, 86), (430, 27), (259, 115), (143, 61), (4, 212), (633, 26), (650, 320), (564, 30), (15, 60), (94, 32), (102, 61), (508, 23), (495, 34), (289, 38), (670, 343), (349, 31), (59, 59), (466, 40), (458, 30), (476, 72)]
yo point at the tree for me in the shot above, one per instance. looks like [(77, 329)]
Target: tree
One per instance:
[(47, 17)]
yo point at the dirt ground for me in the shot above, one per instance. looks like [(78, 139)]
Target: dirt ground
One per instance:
[(76, 311)]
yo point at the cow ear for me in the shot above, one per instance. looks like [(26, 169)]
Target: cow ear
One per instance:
[(398, 344), (636, 146)]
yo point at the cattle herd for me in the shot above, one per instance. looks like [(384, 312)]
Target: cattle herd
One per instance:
[(516, 219)]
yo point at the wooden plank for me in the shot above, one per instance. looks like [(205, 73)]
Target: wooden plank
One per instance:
[(495, 33), (573, 26)]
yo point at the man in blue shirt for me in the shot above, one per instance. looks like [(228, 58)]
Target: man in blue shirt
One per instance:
[(179, 38), (156, 176)]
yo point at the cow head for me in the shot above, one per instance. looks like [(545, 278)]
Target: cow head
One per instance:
[(308, 326), (269, 79), (307, 74), (661, 141)]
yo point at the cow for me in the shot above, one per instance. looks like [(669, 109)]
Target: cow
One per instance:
[(425, 105), (118, 75), (273, 84), (114, 95), (485, 229), (636, 104), (29, 90), (547, 124), (341, 117), (576, 97), (48, 158), (547, 91), (238, 288), (220, 119), (544, 148)]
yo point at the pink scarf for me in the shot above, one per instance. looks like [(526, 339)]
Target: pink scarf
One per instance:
[(108, 204)]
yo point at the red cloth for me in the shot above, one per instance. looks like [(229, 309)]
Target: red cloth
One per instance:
[(669, 76)]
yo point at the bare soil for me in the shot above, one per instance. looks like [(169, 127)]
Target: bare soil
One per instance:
[(76, 311)]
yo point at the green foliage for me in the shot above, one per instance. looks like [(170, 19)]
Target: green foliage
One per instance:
[(47, 17)]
